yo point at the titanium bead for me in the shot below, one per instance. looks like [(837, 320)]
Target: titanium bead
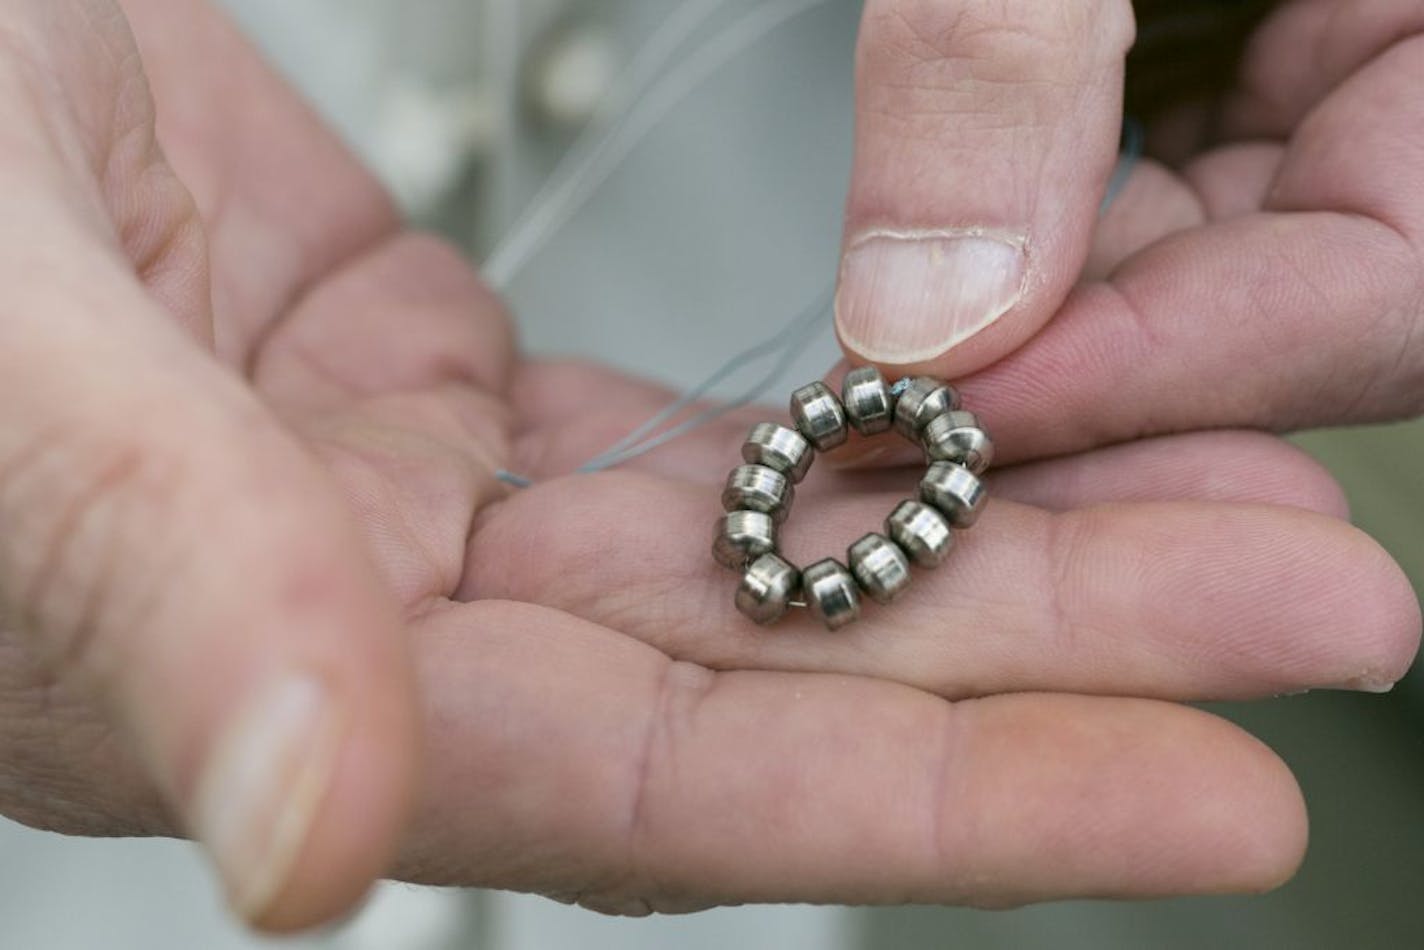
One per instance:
[(820, 416), (957, 437), (766, 589), (743, 536), (954, 491), (924, 399), (867, 401), (778, 447), (880, 567), (758, 488), (921, 532), (830, 593)]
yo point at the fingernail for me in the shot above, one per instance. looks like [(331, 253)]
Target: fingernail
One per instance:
[(1365, 684), (263, 783), (906, 297)]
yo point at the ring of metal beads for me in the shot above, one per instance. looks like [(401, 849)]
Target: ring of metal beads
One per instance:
[(919, 532)]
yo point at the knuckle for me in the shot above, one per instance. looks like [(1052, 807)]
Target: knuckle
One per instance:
[(645, 875), (681, 691), (75, 504), (1018, 41), (1067, 548)]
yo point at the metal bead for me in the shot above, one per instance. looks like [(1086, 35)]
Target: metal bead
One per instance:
[(921, 532), (880, 567), (866, 397), (743, 536), (924, 398), (819, 415), (778, 447), (957, 437), (767, 588), (956, 492), (830, 593), (758, 488)]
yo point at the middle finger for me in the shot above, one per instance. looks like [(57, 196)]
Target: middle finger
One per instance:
[(1173, 600)]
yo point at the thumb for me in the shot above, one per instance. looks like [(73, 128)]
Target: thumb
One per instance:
[(164, 543), (986, 132)]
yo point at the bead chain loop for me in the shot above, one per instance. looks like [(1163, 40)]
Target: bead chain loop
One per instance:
[(758, 496)]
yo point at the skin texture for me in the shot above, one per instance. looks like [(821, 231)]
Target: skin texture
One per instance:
[(1263, 265), (248, 430)]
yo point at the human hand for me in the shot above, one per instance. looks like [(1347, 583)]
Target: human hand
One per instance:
[(1266, 273), (250, 440)]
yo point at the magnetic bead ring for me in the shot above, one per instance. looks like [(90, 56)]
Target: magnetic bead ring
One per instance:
[(919, 533)]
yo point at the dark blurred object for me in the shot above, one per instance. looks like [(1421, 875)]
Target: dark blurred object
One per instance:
[(1187, 52)]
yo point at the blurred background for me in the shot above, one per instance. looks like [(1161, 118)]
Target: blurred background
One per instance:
[(714, 216)]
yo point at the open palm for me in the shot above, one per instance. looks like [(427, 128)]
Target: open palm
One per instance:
[(257, 432)]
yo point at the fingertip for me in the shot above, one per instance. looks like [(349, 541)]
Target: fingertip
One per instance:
[(910, 298), (1263, 840), (302, 745), (1130, 798), (985, 137), (357, 827), (358, 817), (1384, 587), (1364, 613), (1238, 822)]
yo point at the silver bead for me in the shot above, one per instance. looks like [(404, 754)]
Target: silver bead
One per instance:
[(921, 532), (819, 415), (880, 567), (866, 397), (758, 488), (778, 447), (924, 398), (955, 492), (766, 589), (743, 536), (957, 437), (830, 593)]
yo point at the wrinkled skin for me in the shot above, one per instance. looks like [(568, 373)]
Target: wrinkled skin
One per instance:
[(249, 425)]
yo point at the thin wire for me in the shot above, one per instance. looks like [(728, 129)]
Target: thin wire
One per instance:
[(641, 441), (566, 197), (791, 333), (529, 231), (561, 203), (1129, 153), (786, 343)]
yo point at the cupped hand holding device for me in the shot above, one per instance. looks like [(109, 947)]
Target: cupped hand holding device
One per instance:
[(262, 586)]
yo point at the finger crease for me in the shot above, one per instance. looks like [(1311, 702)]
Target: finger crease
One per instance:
[(681, 689)]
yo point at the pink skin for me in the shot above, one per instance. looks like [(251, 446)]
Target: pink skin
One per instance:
[(235, 380)]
